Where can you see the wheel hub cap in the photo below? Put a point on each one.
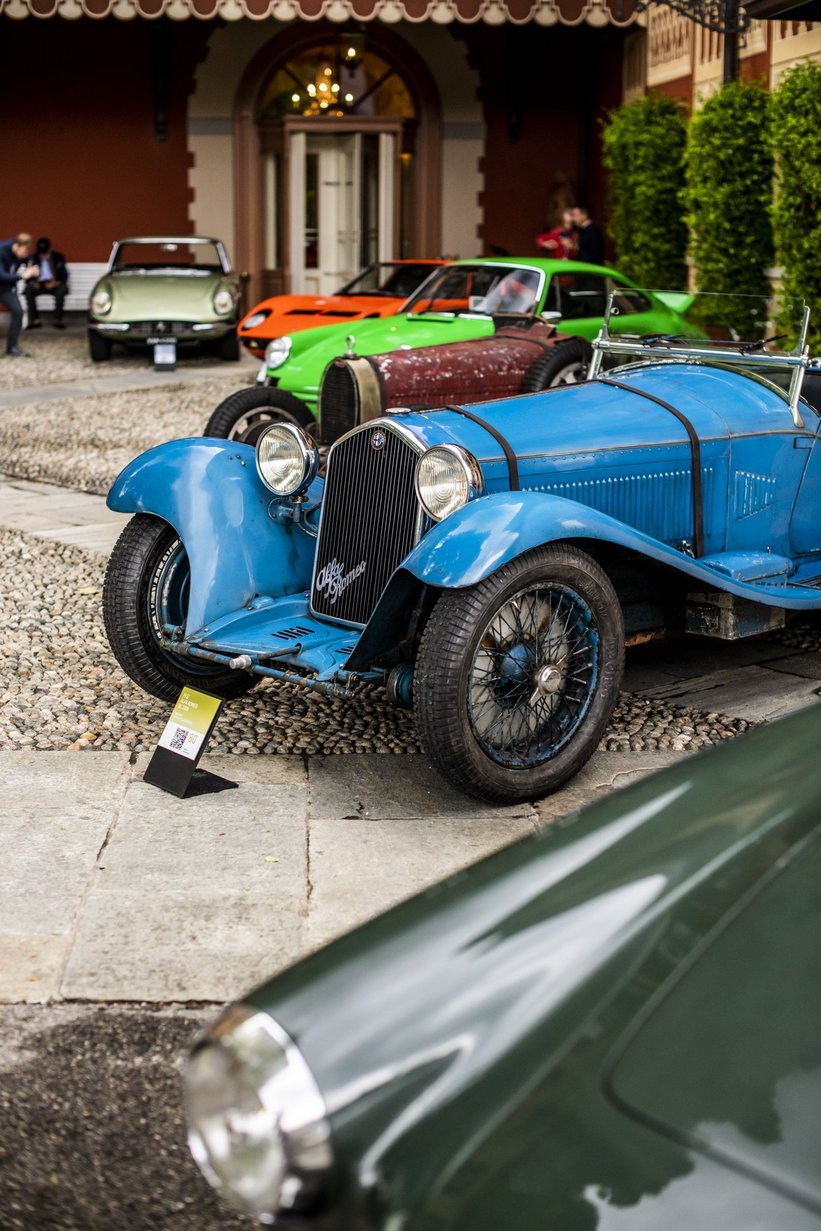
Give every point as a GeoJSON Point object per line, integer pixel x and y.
{"type": "Point", "coordinates": [548, 680]}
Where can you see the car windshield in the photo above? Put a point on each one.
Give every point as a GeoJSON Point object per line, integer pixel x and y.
{"type": "Point", "coordinates": [168, 255]}
{"type": "Point", "coordinates": [489, 289]}
{"type": "Point", "coordinates": [761, 337]}
{"type": "Point", "coordinates": [397, 279]}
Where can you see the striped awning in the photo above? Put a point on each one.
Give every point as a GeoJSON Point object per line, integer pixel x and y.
{"type": "Point", "coordinates": [443, 12]}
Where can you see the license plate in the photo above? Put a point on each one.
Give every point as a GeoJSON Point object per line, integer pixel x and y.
{"type": "Point", "coordinates": [165, 355]}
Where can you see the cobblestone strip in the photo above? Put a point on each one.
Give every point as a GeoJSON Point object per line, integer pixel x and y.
{"type": "Point", "coordinates": [62, 688]}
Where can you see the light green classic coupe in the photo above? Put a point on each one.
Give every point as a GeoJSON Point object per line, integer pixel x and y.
{"type": "Point", "coordinates": [164, 291]}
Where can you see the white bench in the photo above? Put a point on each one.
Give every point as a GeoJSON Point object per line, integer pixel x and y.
{"type": "Point", "coordinates": [82, 277]}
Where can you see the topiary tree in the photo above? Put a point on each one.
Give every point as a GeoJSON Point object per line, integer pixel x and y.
{"type": "Point", "coordinates": [728, 197]}
{"type": "Point", "coordinates": [644, 143]}
{"type": "Point", "coordinates": [796, 126]}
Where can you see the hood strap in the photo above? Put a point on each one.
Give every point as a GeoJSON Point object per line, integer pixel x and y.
{"type": "Point", "coordinates": [512, 464]}
{"type": "Point", "coordinates": [695, 450]}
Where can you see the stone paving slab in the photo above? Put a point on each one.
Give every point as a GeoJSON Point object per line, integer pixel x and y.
{"type": "Point", "coordinates": [379, 788]}
{"type": "Point", "coordinates": [689, 657]}
{"type": "Point", "coordinates": [57, 811]}
{"type": "Point", "coordinates": [50, 512]}
{"type": "Point", "coordinates": [113, 890]}
{"type": "Point", "coordinates": [756, 693]}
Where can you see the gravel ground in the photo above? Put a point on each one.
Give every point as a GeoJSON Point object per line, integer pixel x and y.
{"type": "Point", "coordinates": [91, 1127]}
{"type": "Point", "coordinates": [67, 690]}
{"type": "Point", "coordinates": [83, 442]}
{"type": "Point", "coordinates": [59, 357]}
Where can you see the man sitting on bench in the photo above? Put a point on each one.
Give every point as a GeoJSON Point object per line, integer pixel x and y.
{"type": "Point", "coordinates": [53, 280]}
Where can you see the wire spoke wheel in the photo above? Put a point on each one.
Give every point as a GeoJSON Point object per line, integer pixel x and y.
{"type": "Point", "coordinates": [533, 675]}
{"type": "Point", "coordinates": [517, 676]}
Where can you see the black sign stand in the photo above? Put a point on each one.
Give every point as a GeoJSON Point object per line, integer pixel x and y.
{"type": "Point", "coordinates": [173, 767]}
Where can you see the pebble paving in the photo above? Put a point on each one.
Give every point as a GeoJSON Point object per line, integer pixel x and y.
{"type": "Point", "coordinates": [61, 687]}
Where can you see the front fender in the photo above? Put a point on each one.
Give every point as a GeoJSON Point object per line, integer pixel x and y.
{"type": "Point", "coordinates": [482, 536]}
{"type": "Point", "coordinates": [210, 492]}
{"type": "Point", "coordinates": [485, 534]}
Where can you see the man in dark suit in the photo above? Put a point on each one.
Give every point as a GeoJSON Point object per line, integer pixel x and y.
{"type": "Point", "coordinates": [52, 280]}
{"type": "Point", "coordinates": [15, 255]}
{"type": "Point", "coordinates": [591, 240]}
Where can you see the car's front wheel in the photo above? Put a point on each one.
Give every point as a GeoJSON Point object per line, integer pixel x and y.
{"type": "Point", "coordinates": [516, 677]}
{"type": "Point", "coordinates": [243, 415]}
{"type": "Point", "coordinates": [228, 348]}
{"type": "Point", "coordinates": [145, 598]}
{"type": "Point", "coordinates": [566, 364]}
{"type": "Point", "coordinates": [98, 347]}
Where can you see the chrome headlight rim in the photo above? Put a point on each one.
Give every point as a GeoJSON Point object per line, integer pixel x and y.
{"type": "Point", "coordinates": [255, 319]}
{"type": "Point", "coordinates": [288, 433]}
{"type": "Point", "coordinates": [224, 301]}
{"type": "Point", "coordinates": [277, 351]}
{"type": "Point", "coordinates": [291, 1109]}
{"type": "Point", "coordinates": [467, 473]}
{"type": "Point", "coordinates": [101, 302]}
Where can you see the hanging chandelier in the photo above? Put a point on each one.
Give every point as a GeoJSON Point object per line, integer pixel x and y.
{"type": "Point", "coordinates": [328, 93]}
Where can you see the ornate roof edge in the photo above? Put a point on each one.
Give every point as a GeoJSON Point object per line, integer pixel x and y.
{"type": "Point", "coordinates": [441, 12]}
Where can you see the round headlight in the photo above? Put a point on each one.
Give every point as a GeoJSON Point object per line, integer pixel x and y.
{"type": "Point", "coordinates": [101, 302]}
{"type": "Point", "coordinates": [255, 319]}
{"type": "Point", "coordinates": [277, 351]}
{"type": "Point", "coordinates": [446, 478]}
{"type": "Point", "coordinates": [223, 300]}
{"type": "Point", "coordinates": [257, 1123]}
{"type": "Point", "coordinates": [286, 459]}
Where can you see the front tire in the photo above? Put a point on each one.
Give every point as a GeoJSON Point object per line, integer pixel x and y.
{"type": "Point", "coordinates": [228, 348]}
{"type": "Point", "coordinates": [243, 415]}
{"type": "Point", "coordinates": [98, 347]}
{"type": "Point", "coordinates": [145, 590]}
{"type": "Point", "coordinates": [516, 677]}
{"type": "Point", "coordinates": [567, 364]}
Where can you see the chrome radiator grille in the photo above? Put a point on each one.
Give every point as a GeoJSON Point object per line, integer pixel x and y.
{"type": "Point", "coordinates": [370, 521]}
{"type": "Point", "coordinates": [338, 402]}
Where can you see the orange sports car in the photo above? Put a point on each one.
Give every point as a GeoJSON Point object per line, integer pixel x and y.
{"type": "Point", "coordinates": [379, 290]}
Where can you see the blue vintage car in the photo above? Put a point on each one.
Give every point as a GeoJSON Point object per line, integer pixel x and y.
{"type": "Point", "coordinates": [486, 563]}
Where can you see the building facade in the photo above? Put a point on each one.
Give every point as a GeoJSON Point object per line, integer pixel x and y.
{"type": "Point", "coordinates": [311, 135]}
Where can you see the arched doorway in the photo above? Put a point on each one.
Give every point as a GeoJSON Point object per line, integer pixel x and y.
{"type": "Point", "coordinates": [338, 137]}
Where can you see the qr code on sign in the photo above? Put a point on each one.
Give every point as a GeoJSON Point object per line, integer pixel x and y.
{"type": "Point", "coordinates": [178, 739]}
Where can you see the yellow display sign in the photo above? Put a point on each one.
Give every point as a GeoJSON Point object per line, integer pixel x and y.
{"type": "Point", "coordinates": [190, 723]}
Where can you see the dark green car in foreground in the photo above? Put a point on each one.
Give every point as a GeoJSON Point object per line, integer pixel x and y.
{"type": "Point", "coordinates": [614, 1025]}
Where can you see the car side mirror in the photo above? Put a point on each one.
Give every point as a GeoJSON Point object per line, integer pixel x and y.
{"type": "Point", "coordinates": [551, 318]}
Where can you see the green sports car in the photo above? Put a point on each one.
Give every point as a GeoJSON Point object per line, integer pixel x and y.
{"type": "Point", "coordinates": [164, 291]}
{"type": "Point", "coordinates": [466, 300]}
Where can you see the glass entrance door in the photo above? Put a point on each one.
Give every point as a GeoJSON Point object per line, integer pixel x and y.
{"type": "Point", "coordinates": [341, 206]}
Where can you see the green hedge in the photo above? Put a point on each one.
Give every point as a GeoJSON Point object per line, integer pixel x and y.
{"type": "Point", "coordinates": [644, 143]}
{"type": "Point", "coordinates": [728, 198]}
{"type": "Point", "coordinates": [796, 110]}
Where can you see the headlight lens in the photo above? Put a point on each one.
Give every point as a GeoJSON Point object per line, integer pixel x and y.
{"type": "Point", "coordinates": [446, 478]}
{"type": "Point", "coordinates": [257, 318]}
{"type": "Point", "coordinates": [286, 459]}
{"type": "Point", "coordinates": [101, 302]}
{"type": "Point", "coordinates": [277, 351]}
{"type": "Point", "coordinates": [223, 301]}
{"type": "Point", "coordinates": [257, 1124]}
